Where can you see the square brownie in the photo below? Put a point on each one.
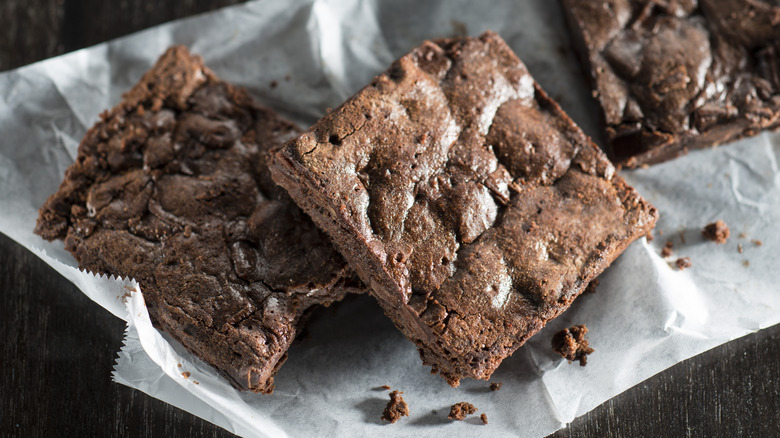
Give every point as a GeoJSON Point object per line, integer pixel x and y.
{"type": "Point", "coordinates": [171, 188]}
{"type": "Point", "coordinates": [466, 198]}
{"type": "Point", "coordinates": [672, 76]}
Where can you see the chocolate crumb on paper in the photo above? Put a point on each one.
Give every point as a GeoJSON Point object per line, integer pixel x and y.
{"type": "Point", "coordinates": [459, 411]}
{"type": "Point", "coordinates": [385, 387]}
{"type": "Point", "coordinates": [717, 231]}
{"type": "Point", "coordinates": [649, 236]}
{"type": "Point", "coordinates": [666, 251]}
{"type": "Point", "coordinates": [186, 374]}
{"type": "Point", "coordinates": [739, 248]}
{"type": "Point", "coordinates": [396, 408]}
{"type": "Point", "coordinates": [571, 344]}
{"type": "Point", "coordinates": [757, 242]}
{"type": "Point", "coordinates": [483, 417]}
{"type": "Point", "coordinates": [683, 262]}
{"type": "Point", "coordinates": [495, 386]}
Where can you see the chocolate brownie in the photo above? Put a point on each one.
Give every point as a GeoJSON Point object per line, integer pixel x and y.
{"type": "Point", "coordinates": [170, 187]}
{"type": "Point", "coordinates": [676, 75]}
{"type": "Point", "coordinates": [464, 196]}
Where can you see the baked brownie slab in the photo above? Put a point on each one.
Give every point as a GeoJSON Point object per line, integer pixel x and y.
{"type": "Point", "coordinates": [171, 188]}
{"type": "Point", "coordinates": [678, 75]}
{"type": "Point", "coordinates": [470, 203]}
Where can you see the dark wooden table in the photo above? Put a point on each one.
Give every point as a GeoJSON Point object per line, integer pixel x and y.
{"type": "Point", "coordinates": [57, 348]}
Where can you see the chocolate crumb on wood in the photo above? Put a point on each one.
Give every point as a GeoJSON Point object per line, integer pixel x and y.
{"type": "Point", "coordinates": [495, 386]}
{"type": "Point", "coordinates": [459, 411]}
{"type": "Point", "coordinates": [396, 408]}
{"type": "Point", "coordinates": [572, 345]}
{"type": "Point", "coordinates": [717, 231]}
{"type": "Point", "coordinates": [683, 262]}
{"type": "Point", "coordinates": [483, 417]}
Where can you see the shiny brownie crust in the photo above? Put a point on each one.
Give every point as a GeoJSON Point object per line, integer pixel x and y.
{"type": "Point", "coordinates": [170, 187]}
{"type": "Point", "coordinates": [463, 195]}
{"type": "Point", "coordinates": [677, 75]}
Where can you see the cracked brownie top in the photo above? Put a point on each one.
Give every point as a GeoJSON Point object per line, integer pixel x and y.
{"type": "Point", "coordinates": [171, 188]}
{"type": "Point", "coordinates": [673, 75]}
{"type": "Point", "coordinates": [473, 205]}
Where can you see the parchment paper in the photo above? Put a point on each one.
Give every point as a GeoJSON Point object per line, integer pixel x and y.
{"type": "Point", "coordinates": [645, 316]}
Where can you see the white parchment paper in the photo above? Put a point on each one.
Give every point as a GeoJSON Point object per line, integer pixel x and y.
{"type": "Point", "coordinates": [645, 317]}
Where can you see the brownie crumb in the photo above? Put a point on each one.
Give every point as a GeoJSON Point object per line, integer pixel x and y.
{"type": "Point", "coordinates": [717, 231]}
{"type": "Point", "coordinates": [739, 248]}
{"type": "Point", "coordinates": [572, 345]}
{"type": "Point", "coordinates": [396, 408]}
{"type": "Point", "coordinates": [757, 242]}
{"type": "Point", "coordinates": [666, 251]}
{"type": "Point", "coordinates": [683, 262]}
{"type": "Point", "coordinates": [649, 236]}
{"type": "Point", "coordinates": [496, 386]}
{"type": "Point", "coordinates": [483, 417]}
{"type": "Point", "coordinates": [273, 84]}
{"type": "Point", "coordinates": [459, 411]}
{"type": "Point", "coordinates": [385, 387]}
{"type": "Point", "coordinates": [591, 287]}
{"type": "Point", "coordinates": [186, 374]}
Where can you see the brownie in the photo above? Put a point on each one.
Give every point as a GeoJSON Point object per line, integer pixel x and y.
{"type": "Point", "coordinates": [474, 208]}
{"type": "Point", "coordinates": [676, 75]}
{"type": "Point", "coordinates": [171, 188]}
{"type": "Point", "coordinates": [571, 344]}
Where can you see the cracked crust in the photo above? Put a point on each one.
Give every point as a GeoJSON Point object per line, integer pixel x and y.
{"type": "Point", "coordinates": [458, 190]}
{"type": "Point", "coordinates": [676, 75]}
{"type": "Point", "coordinates": [171, 188]}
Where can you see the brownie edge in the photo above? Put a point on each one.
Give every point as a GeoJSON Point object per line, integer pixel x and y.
{"type": "Point", "coordinates": [474, 208]}
{"type": "Point", "coordinates": [675, 76]}
{"type": "Point", "coordinates": [170, 187]}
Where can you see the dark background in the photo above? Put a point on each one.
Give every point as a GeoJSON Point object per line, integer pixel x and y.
{"type": "Point", "coordinates": [57, 348]}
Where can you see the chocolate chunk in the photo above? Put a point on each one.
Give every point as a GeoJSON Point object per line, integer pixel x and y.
{"type": "Point", "coordinates": [717, 231]}
{"type": "Point", "coordinates": [495, 386]}
{"type": "Point", "coordinates": [458, 189]}
{"type": "Point", "coordinates": [170, 188]}
{"type": "Point", "coordinates": [571, 344]}
{"type": "Point", "coordinates": [396, 408]}
{"type": "Point", "coordinates": [674, 76]}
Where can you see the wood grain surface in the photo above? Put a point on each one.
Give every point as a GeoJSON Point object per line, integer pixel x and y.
{"type": "Point", "coordinates": [57, 348]}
